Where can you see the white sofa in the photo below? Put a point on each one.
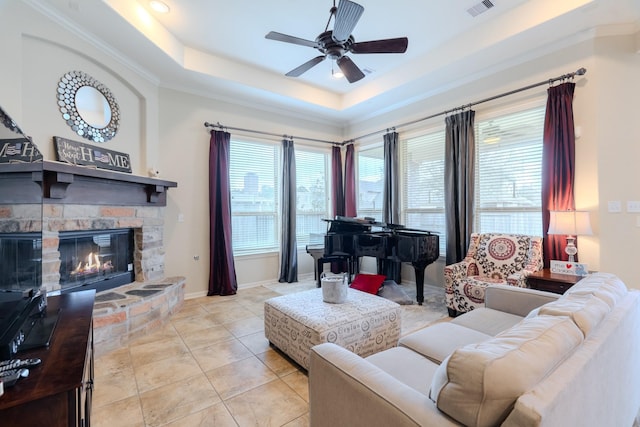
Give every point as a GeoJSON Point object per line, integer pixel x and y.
{"type": "Point", "coordinates": [528, 358]}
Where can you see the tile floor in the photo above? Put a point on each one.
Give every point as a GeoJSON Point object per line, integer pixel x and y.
{"type": "Point", "coordinates": [212, 366]}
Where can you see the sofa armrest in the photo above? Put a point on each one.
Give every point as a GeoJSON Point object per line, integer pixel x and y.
{"type": "Point", "coordinates": [516, 300]}
{"type": "Point", "coordinates": [347, 390]}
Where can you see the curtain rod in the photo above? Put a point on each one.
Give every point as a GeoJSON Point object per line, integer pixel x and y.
{"type": "Point", "coordinates": [218, 125]}
{"type": "Point", "coordinates": [579, 72]}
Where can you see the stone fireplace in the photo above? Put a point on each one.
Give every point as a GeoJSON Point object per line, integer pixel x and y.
{"type": "Point", "coordinates": [95, 211]}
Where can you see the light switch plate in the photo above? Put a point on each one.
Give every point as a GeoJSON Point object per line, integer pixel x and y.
{"type": "Point", "coordinates": [615, 206]}
{"type": "Point", "coordinates": [633, 206]}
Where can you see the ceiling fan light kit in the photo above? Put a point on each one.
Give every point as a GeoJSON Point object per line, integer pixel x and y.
{"type": "Point", "coordinates": [335, 44]}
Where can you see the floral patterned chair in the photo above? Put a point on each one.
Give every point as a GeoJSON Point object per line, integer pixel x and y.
{"type": "Point", "coordinates": [492, 258]}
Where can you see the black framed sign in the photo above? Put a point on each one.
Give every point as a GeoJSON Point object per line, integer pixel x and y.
{"type": "Point", "coordinates": [19, 150]}
{"type": "Point", "coordinates": [81, 154]}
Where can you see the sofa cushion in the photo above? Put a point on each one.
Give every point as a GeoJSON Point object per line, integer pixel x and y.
{"type": "Point", "coordinates": [479, 383]}
{"type": "Point", "coordinates": [605, 286]}
{"type": "Point", "coordinates": [438, 341]}
{"type": "Point", "coordinates": [406, 366]}
{"type": "Point", "coordinates": [487, 320]}
{"type": "Point", "coordinates": [586, 311]}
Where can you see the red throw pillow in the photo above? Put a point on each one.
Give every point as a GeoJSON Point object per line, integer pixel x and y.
{"type": "Point", "coordinates": [370, 283]}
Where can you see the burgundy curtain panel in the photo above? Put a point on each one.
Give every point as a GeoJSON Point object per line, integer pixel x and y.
{"type": "Point", "coordinates": [558, 165]}
{"type": "Point", "coordinates": [337, 192]}
{"type": "Point", "coordinates": [349, 182]}
{"type": "Point", "coordinates": [222, 271]}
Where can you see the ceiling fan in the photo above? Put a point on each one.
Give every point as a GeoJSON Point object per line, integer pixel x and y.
{"type": "Point", "coordinates": [335, 43]}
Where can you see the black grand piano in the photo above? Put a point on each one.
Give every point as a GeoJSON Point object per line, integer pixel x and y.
{"type": "Point", "coordinates": [348, 239]}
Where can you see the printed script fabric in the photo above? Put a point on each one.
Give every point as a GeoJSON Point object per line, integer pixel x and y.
{"type": "Point", "coordinates": [222, 274]}
{"type": "Point", "coordinates": [337, 193]}
{"type": "Point", "coordinates": [459, 175]}
{"type": "Point", "coordinates": [288, 242]}
{"type": "Point", "coordinates": [558, 165]}
{"type": "Point", "coordinates": [390, 204]}
{"type": "Point", "coordinates": [350, 182]}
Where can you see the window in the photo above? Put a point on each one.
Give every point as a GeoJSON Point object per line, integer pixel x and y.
{"type": "Point", "coordinates": [254, 172]}
{"type": "Point", "coordinates": [509, 173]}
{"type": "Point", "coordinates": [423, 183]}
{"type": "Point", "coordinates": [370, 182]}
{"type": "Point", "coordinates": [312, 190]}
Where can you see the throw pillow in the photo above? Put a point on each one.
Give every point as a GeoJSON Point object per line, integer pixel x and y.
{"type": "Point", "coordinates": [368, 282]}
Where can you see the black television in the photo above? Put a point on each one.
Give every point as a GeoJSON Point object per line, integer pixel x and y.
{"type": "Point", "coordinates": [22, 298]}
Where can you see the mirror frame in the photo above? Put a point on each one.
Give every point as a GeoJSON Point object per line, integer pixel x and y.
{"type": "Point", "coordinates": [68, 86]}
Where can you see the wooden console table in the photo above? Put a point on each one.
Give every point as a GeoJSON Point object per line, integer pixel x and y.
{"type": "Point", "coordinates": [57, 393]}
{"type": "Point", "coordinates": [545, 280]}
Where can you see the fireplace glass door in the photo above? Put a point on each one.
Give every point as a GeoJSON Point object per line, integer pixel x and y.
{"type": "Point", "coordinates": [99, 260]}
{"type": "Point", "coordinates": [20, 257]}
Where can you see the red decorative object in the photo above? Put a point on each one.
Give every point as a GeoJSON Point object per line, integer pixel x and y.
{"type": "Point", "coordinates": [370, 283]}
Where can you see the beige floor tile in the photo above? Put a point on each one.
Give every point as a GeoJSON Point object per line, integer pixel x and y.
{"type": "Point", "coordinates": [215, 416]}
{"type": "Point", "coordinates": [257, 342]}
{"type": "Point", "coordinates": [273, 404]}
{"type": "Point", "coordinates": [243, 327]}
{"type": "Point", "coordinates": [238, 377]}
{"type": "Point", "coordinates": [188, 325]}
{"type": "Point", "coordinates": [112, 363]}
{"type": "Point", "coordinates": [190, 311]}
{"type": "Point", "coordinates": [166, 371]}
{"type": "Point", "coordinates": [299, 382]}
{"type": "Point", "coordinates": [206, 337]}
{"type": "Point", "coordinates": [177, 400]}
{"type": "Point", "coordinates": [166, 331]}
{"type": "Point", "coordinates": [123, 413]}
{"type": "Point", "coordinates": [277, 362]}
{"type": "Point", "coordinates": [220, 354]}
{"type": "Point", "coordinates": [157, 350]}
{"type": "Point", "coordinates": [230, 314]}
{"type": "Point", "coordinates": [116, 386]}
{"type": "Point", "coordinates": [302, 421]}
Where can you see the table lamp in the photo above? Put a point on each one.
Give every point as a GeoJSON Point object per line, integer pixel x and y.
{"type": "Point", "coordinates": [571, 224]}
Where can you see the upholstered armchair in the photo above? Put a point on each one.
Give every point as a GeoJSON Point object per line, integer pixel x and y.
{"type": "Point", "coordinates": [492, 258]}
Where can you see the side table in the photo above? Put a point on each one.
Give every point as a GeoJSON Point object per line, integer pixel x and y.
{"type": "Point", "coordinates": [545, 280]}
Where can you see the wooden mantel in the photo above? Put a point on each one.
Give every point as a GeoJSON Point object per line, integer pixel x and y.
{"type": "Point", "coordinates": [63, 183]}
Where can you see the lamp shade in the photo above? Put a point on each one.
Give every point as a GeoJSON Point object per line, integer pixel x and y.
{"type": "Point", "coordinates": [570, 223]}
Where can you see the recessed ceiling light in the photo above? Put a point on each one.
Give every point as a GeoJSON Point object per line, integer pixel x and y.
{"type": "Point", "coordinates": [159, 6]}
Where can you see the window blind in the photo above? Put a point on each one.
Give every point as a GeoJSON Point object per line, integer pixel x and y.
{"type": "Point", "coordinates": [370, 182]}
{"type": "Point", "coordinates": [312, 205]}
{"type": "Point", "coordinates": [508, 173]}
{"type": "Point", "coordinates": [423, 183]}
{"type": "Point", "coordinates": [253, 174]}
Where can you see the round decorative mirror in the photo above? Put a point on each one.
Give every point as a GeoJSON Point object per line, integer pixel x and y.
{"type": "Point", "coordinates": [88, 106]}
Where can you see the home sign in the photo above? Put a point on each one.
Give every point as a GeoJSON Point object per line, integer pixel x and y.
{"type": "Point", "coordinates": [81, 154]}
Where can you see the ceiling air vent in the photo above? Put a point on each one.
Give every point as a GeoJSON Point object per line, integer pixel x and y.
{"type": "Point", "coordinates": [481, 7]}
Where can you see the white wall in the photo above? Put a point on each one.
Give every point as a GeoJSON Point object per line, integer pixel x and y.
{"type": "Point", "coordinates": [160, 127]}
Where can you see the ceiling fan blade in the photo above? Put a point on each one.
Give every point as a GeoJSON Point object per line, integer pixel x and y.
{"type": "Point", "coordinates": [347, 17]}
{"type": "Point", "coordinates": [398, 45]}
{"type": "Point", "coordinates": [306, 66]}
{"type": "Point", "coordinates": [272, 35]}
{"type": "Point", "coordinates": [349, 69]}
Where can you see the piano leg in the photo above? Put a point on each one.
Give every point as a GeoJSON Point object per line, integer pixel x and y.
{"type": "Point", "coordinates": [419, 270]}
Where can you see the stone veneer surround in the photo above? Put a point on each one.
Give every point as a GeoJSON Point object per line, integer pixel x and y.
{"type": "Point", "coordinates": [147, 223]}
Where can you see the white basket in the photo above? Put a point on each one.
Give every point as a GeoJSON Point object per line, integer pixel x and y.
{"type": "Point", "coordinates": [334, 288]}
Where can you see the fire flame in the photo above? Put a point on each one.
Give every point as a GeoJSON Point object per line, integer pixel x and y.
{"type": "Point", "coordinates": [92, 265]}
